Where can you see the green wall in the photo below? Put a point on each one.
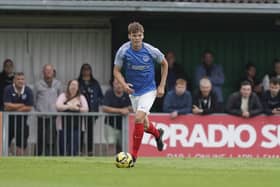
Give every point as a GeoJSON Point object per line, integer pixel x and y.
{"type": "Point", "coordinates": [234, 41]}
{"type": "Point", "coordinates": [231, 49]}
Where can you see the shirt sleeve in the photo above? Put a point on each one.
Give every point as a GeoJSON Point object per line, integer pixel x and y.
{"type": "Point", "coordinates": [120, 54]}
{"type": "Point", "coordinates": [157, 55]}
{"type": "Point", "coordinates": [60, 106]}
{"type": "Point", "coordinates": [30, 98]}
{"type": "Point", "coordinates": [84, 107]}
{"type": "Point", "coordinates": [107, 98]}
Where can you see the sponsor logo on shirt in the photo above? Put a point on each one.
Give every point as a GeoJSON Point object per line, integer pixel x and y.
{"type": "Point", "coordinates": [139, 68]}
{"type": "Point", "coordinates": [146, 58]}
{"type": "Point", "coordinates": [24, 96]}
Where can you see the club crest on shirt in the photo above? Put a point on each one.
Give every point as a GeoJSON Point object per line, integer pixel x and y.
{"type": "Point", "coordinates": [145, 58]}
{"type": "Point", "coordinates": [23, 96]}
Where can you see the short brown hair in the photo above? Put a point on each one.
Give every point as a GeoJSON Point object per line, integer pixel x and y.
{"type": "Point", "coordinates": [19, 74]}
{"type": "Point", "coordinates": [181, 81]}
{"type": "Point", "coordinates": [135, 27]}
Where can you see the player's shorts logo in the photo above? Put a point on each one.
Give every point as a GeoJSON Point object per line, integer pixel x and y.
{"type": "Point", "coordinates": [146, 58]}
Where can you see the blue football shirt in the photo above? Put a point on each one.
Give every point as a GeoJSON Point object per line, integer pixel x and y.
{"type": "Point", "coordinates": [139, 66]}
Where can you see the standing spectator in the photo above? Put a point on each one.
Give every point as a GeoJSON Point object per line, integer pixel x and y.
{"type": "Point", "coordinates": [175, 71]}
{"type": "Point", "coordinates": [244, 103]}
{"type": "Point", "coordinates": [271, 98]}
{"type": "Point", "coordinates": [179, 100]}
{"type": "Point", "coordinates": [213, 72]}
{"type": "Point", "coordinates": [71, 101]}
{"type": "Point", "coordinates": [91, 89]}
{"type": "Point", "coordinates": [275, 73]}
{"type": "Point", "coordinates": [250, 76]}
{"type": "Point", "coordinates": [116, 101]}
{"type": "Point", "coordinates": [46, 92]}
{"type": "Point", "coordinates": [205, 100]}
{"type": "Point", "coordinates": [6, 78]}
{"type": "Point", "coordinates": [18, 98]}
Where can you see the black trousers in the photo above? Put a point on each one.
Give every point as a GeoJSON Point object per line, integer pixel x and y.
{"type": "Point", "coordinates": [46, 136]}
{"type": "Point", "coordinates": [88, 134]}
{"type": "Point", "coordinates": [19, 130]}
{"type": "Point", "coordinates": [69, 135]}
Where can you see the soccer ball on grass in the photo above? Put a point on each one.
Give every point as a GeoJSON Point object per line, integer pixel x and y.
{"type": "Point", "coordinates": [124, 160]}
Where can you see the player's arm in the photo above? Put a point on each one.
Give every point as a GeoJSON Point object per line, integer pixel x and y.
{"type": "Point", "coordinates": [118, 75]}
{"type": "Point", "coordinates": [164, 70]}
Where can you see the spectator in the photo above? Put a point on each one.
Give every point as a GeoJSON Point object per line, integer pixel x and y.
{"type": "Point", "coordinates": [116, 101]}
{"type": "Point", "coordinates": [91, 89]}
{"type": "Point", "coordinates": [175, 71]}
{"type": "Point", "coordinates": [6, 78]}
{"type": "Point", "coordinates": [250, 76]}
{"type": "Point", "coordinates": [213, 72]}
{"type": "Point", "coordinates": [46, 92]}
{"type": "Point", "coordinates": [275, 73]}
{"type": "Point", "coordinates": [244, 103]}
{"type": "Point", "coordinates": [178, 101]}
{"type": "Point", "coordinates": [271, 98]}
{"type": "Point", "coordinates": [74, 102]}
{"type": "Point", "coordinates": [205, 100]}
{"type": "Point", "coordinates": [18, 98]}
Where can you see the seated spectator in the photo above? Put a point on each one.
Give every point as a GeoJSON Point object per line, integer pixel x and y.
{"type": "Point", "coordinates": [244, 103]}
{"type": "Point", "coordinates": [213, 72]}
{"type": "Point", "coordinates": [6, 78]}
{"type": "Point", "coordinates": [74, 102]}
{"type": "Point", "coordinates": [271, 98]}
{"type": "Point", "coordinates": [46, 91]}
{"type": "Point", "coordinates": [275, 73]}
{"type": "Point", "coordinates": [250, 76]}
{"type": "Point", "coordinates": [91, 89]}
{"type": "Point", "coordinates": [179, 100]}
{"type": "Point", "coordinates": [116, 101]}
{"type": "Point", "coordinates": [18, 98]}
{"type": "Point", "coordinates": [205, 100]}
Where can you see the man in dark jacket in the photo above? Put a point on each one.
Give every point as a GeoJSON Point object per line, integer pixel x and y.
{"type": "Point", "coordinates": [205, 100]}
{"type": "Point", "coordinates": [178, 101]}
{"type": "Point", "coordinates": [271, 98]}
{"type": "Point", "coordinates": [244, 103]}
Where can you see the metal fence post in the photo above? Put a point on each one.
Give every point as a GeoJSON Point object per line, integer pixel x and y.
{"type": "Point", "coordinates": [125, 136]}
{"type": "Point", "coordinates": [5, 139]}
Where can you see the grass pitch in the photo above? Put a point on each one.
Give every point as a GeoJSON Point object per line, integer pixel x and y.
{"type": "Point", "coordinates": [149, 172]}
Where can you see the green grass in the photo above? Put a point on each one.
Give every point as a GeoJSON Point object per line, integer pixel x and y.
{"type": "Point", "coordinates": [154, 172]}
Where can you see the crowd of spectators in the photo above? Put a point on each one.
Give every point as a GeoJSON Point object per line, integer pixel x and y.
{"type": "Point", "coordinates": [84, 94]}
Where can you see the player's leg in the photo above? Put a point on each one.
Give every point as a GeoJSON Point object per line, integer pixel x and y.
{"type": "Point", "coordinates": [150, 128]}
{"type": "Point", "coordinates": [147, 101]}
{"type": "Point", "coordinates": [145, 104]}
{"type": "Point", "coordinates": [138, 133]}
{"type": "Point", "coordinates": [157, 133]}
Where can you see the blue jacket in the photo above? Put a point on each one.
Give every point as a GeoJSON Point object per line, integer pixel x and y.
{"type": "Point", "coordinates": [182, 104]}
{"type": "Point", "coordinates": [217, 78]}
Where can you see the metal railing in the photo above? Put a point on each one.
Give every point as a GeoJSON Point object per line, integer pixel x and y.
{"type": "Point", "coordinates": [63, 134]}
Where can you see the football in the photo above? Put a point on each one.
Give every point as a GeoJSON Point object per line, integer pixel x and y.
{"type": "Point", "coordinates": [124, 160]}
